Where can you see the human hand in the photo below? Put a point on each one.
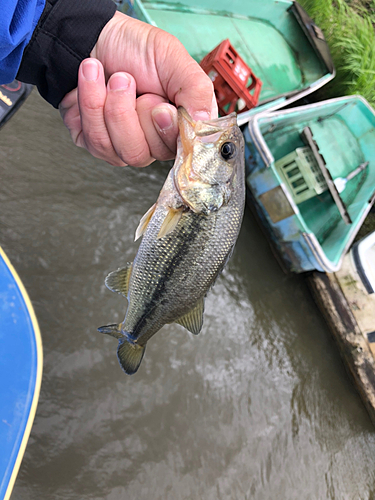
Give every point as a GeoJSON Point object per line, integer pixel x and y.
{"type": "Point", "coordinates": [130, 59]}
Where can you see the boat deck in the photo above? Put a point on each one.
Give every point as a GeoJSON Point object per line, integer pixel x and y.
{"type": "Point", "coordinates": [283, 64]}
{"type": "Point", "coordinates": [342, 153]}
{"type": "Point", "coordinates": [344, 131]}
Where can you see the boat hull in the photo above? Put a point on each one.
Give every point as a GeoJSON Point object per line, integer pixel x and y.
{"type": "Point", "coordinates": [12, 96]}
{"type": "Point", "coordinates": [276, 39]}
{"type": "Point", "coordinates": [311, 235]}
{"type": "Point", "coordinates": [20, 372]}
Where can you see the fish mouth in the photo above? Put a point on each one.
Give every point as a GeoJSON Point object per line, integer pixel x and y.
{"type": "Point", "coordinates": [198, 155]}
{"type": "Point", "coordinates": [207, 130]}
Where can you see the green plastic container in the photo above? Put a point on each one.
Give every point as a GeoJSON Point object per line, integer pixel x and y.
{"type": "Point", "coordinates": [302, 175]}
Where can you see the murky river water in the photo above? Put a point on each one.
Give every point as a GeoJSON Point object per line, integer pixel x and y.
{"type": "Point", "coordinates": [258, 406]}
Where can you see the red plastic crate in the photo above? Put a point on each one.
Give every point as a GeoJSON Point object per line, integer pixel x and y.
{"type": "Point", "coordinates": [230, 76]}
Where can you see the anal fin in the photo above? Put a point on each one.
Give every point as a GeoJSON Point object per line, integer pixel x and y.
{"type": "Point", "coordinates": [118, 281]}
{"type": "Point", "coordinates": [193, 320]}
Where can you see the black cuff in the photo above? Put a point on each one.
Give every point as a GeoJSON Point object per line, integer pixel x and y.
{"type": "Point", "coordinates": [65, 35]}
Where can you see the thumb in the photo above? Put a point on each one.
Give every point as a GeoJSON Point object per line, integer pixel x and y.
{"type": "Point", "coordinates": [196, 93]}
{"type": "Point", "coordinates": [187, 84]}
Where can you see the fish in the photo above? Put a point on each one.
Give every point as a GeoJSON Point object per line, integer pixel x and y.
{"type": "Point", "coordinates": [188, 236]}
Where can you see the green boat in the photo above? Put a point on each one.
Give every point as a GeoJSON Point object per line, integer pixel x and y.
{"type": "Point", "coordinates": [311, 177]}
{"type": "Point", "coordinates": [275, 38]}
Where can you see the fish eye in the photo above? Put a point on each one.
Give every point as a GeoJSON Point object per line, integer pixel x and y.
{"type": "Point", "coordinates": [228, 150]}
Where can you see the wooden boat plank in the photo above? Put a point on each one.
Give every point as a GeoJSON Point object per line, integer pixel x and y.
{"type": "Point", "coordinates": [354, 349]}
{"type": "Point", "coordinates": [307, 134]}
{"type": "Point", "coordinates": [318, 41]}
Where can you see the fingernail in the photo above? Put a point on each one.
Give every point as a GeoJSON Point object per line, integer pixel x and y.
{"type": "Point", "coordinates": [214, 110]}
{"type": "Point", "coordinates": [162, 118]}
{"type": "Point", "coordinates": [119, 81]}
{"type": "Point", "coordinates": [90, 70]}
{"type": "Point", "coordinates": [201, 116]}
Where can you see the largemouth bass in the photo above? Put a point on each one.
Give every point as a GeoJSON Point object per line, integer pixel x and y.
{"type": "Point", "coordinates": [188, 237]}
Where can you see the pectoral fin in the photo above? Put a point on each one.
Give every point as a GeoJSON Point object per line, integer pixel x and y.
{"type": "Point", "coordinates": [193, 320]}
{"type": "Point", "coordinates": [143, 223]}
{"type": "Point", "coordinates": [170, 222]}
{"type": "Point", "coordinates": [118, 281]}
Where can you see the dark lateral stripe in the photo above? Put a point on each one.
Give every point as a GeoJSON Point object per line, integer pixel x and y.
{"type": "Point", "coordinates": [371, 337]}
{"type": "Point", "coordinates": [184, 240]}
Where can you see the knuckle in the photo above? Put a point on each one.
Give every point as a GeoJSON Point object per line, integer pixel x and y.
{"type": "Point", "coordinates": [68, 101]}
{"type": "Point", "coordinates": [71, 120]}
{"type": "Point", "coordinates": [165, 156]}
{"type": "Point", "coordinates": [96, 141]}
{"type": "Point", "coordinates": [136, 158]}
{"type": "Point", "coordinates": [114, 113]}
{"type": "Point", "coordinates": [132, 148]}
{"type": "Point", "coordinates": [91, 104]}
{"type": "Point", "coordinates": [197, 86]}
{"type": "Point", "coordinates": [161, 152]}
{"type": "Point", "coordinates": [203, 85]}
{"type": "Point", "coordinates": [165, 40]}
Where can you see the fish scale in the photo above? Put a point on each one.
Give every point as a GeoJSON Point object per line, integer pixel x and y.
{"type": "Point", "coordinates": [193, 255]}
{"type": "Point", "coordinates": [182, 250]}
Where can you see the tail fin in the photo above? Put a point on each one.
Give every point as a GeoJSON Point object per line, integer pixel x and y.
{"type": "Point", "coordinates": [129, 355]}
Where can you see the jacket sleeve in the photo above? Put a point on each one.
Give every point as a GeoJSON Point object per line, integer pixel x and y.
{"type": "Point", "coordinates": [18, 19]}
{"type": "Point", "coordinates": [65, 35]}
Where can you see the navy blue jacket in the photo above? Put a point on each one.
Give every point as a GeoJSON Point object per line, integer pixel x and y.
{"type": "Point", "coordinates": [43, 41]}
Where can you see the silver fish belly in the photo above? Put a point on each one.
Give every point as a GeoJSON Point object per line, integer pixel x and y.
{"type": "Point", "coordinates": [188, 237]}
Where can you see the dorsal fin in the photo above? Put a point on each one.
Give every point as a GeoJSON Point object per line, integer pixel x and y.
{"type": "Point", "coordinates": [143, 223]}
{"type": "Point", "coordinates": [170, 222]}
{"type": "Point", "coordinates": [193, 320]}
{"type": "Point", "coordinates": [118, 281]}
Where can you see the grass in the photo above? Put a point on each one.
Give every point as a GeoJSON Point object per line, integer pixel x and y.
{"type": "Point", "coordinates": [367, 227]}
{"type": "Point", "coordinates": [349, 29]}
